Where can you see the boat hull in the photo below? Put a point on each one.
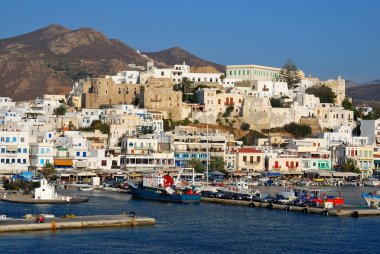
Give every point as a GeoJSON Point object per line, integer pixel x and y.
{"type": "Point", "coordinates": [372, 200]}
{"type": "Point", "coordinates": [158, 195]}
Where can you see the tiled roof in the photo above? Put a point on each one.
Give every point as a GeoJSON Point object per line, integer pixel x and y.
{"type": "Point", "coordinates": [249, 150]}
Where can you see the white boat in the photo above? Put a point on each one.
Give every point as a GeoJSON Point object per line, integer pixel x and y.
{"type": "Point", "coordinates": [372, 182]}
{"type": "Point", "coordinates": [86, 188]}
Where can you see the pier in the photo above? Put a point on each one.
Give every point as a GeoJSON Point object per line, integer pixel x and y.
{"type": "Point", "coordinates": [77, 222]}
{"type": "Point", "coordinates": [29, 199]}
{"type": "Point", "coordinates": [346, 211]}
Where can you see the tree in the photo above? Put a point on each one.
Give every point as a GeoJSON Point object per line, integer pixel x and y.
{"type": "Point", "coordinates": [196, 164]}
{"type": "Point", "coordinates": [217, 164]}
{"type": "Point", "coordinates": [48, 170]}
{"type": "Point", "coordinates": [347, 104]}
{"type": "Point", "coordinates": [222, 77]}
{"type": "Point", "coordinates": [228, 111]}
{"type": "Point", "coordinates": [103, 127]}
{"type": "Point", "coordinates": [245, 126]}
{"type": "Point", "coordinates": [298, 130]}
{"type": "Point", "coordinates": [324, 93]}
{"type": "Point", "coordinates": [60, 111]}
{"type": "Point", "coordinates": [289, 73]}
{"type": "Point", "coordinates": [186, 85]}
{"type": "Point", "coordinates": [275, 102]}
{"type": "Point", "coordinates": [350, 166]}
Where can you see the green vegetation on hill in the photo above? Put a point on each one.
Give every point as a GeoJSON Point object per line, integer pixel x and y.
{"type": "Point", "coordinates": [298, 130]}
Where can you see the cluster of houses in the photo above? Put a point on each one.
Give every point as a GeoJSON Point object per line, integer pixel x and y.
{"type": "Point", "coordinates": [135, 105]}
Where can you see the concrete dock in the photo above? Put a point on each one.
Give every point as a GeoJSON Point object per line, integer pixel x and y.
{"type": "Point", "coordinates": [78, 222]}
{"type": "Point", "coordinates": [29, 199]}
{"type": "Point", "coordinates": [345, 211]}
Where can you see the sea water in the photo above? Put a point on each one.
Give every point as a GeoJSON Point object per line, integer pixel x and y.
{"type": "Point", "coordinates": [196, 228]}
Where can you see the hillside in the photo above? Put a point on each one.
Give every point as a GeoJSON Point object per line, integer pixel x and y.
{"type": "Point", "coordinates": [177, 55]}
{"type": "Point", "coordinates": [50, 59]}
{"type": "Point", "coordinates": [365, 93]}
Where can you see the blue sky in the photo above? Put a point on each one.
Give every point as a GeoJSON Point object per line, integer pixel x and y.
{"type": "Point", "coordinates": [325, 38]}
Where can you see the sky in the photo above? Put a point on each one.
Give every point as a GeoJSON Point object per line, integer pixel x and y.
{"type": "Point", "coordinates": [324, 38]}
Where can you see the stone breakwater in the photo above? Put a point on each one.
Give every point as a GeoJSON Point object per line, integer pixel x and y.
{"type": "Point", "coordinates": [77, 222]}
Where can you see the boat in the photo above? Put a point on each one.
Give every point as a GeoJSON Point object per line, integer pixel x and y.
{"type": "Point", "coordinates": [319, 196]}
{"type": "Point", "coordinates": [372, 182]}
{"type": "Point", "coordinates": [86, 188]}
{"type": "Point", "coordinates": [156, 186]}
{"type": "Point", "coordinates": [372, 200]}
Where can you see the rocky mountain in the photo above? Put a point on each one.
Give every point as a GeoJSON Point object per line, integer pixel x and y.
{"type": "Point", "coordinates": [367, 92]}
{"type": "Point", "coordinates": [177, 55]}
{"type": "Point", "coordinates": [50, 59]}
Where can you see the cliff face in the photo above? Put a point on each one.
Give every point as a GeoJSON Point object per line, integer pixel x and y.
{"type": "Point", "coordinates": [49, 60]}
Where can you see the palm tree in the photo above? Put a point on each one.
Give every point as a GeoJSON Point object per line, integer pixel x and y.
{"type": "Point", "coordinates": [48, 170]}
{"type": "Point", "coordinates": [217, 164]}
{"type": "Point", "coordinates": [196, 164]}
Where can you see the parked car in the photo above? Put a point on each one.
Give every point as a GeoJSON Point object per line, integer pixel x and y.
{"type": "Point", "coordinates": [217, 183]}
{"type": "Point", "coordinates": [208, 194]}
{"type": "Point", "coordinates": [287, 201]}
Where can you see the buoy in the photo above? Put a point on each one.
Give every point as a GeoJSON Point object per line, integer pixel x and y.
{"type": "Point", "coordinates": [355, 214]}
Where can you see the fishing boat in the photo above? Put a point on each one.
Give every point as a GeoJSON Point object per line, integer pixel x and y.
{"type": "Point", "coordinates": [319, 196]}
{"type": "Point", "coordinates": [372, 200]}
{"type": "Point", "coordinates": [156, 186]}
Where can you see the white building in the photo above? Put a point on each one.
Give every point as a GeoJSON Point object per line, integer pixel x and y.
{"type": "Point", "coordinates": [371, 130]}
{"type": "Point", "coordinates": [178, 72]}
{"type": "Point", "coordinates": [14, 151]}
{"type": "Point", "coordinates": [126, 77]}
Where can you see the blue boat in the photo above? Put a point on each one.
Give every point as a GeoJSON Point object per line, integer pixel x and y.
{"type": "Point", "coordinates": [372, 200]}
{"type": "Point", "coordinates": [162, 188]}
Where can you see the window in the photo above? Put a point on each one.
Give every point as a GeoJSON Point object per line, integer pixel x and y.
{"type": "Point", "coordinates": [42, 161]}
{"type": "Point", "coordinates": [244, 158]}
{"type": "Point", "coordinates": [78, 153]}
{"type": "Point", "coordinates": [13, 160]}
{"type": "Point", "coordinates": [19, 150]}
{"type": "Point", "coordinates": [14, 139]}
{"type": "Point", "coordinates": [2, 150]}
{"type": "Point", "coordinates": [24, 161]}
{"type": "Point", "coordinates": [42, 150]}
{"type": "Point", "coordinates": [2, 139]}
{"type": "Point", "coordinates": [84, 154]}
{"type": "Point", "coordinates": [7, 161]}
{"type": "Point", "coordinates": [7, 139]}
{"type": "Point", "coordinates": [49, 136]}
{"type": "Point", "coordinates": [22, 140]}
{"type": "Point", "coordinates": [25, 150]}
{"type": "Point", "coordinates": [104, 163]}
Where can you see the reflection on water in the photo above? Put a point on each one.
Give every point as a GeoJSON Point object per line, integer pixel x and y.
{"type": "Point", "coordinates": [196, 228]}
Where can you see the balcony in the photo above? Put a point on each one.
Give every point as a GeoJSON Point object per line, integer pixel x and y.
{"type": "Point", "coordinates": [229, 103]}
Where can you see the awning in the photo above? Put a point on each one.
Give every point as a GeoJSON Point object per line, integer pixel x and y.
{"type": "Point", "coordinates": [272, 174]}
{"type": "Point", "coordinates": [86, 174]}
{"type": "Point", "coordinates": [324, 174]}
{"type": "Point", "coordinates": [63, 162]}
{"type": "Point", "coordinates": [239, 173]}
{"type": "Point", "coordinates": [254, 174]}
{"type": "Point", "coordinates": [81, 164]}
{"type": "Point", "coordinates": [344, 174]}
{"type": "Point", "coordinates": [11, 148]}
{"type": "Point", "coordinates": [292, 173]}
{"type": "Point", "coordinates": [134, 174]}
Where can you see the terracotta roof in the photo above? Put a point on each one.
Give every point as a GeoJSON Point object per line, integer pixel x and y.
{"type": "Point", "coordinates": [249, 150]}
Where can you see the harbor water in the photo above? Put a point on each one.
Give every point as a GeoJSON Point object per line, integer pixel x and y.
{"type": "Point", "coordinates": [196, 228]}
